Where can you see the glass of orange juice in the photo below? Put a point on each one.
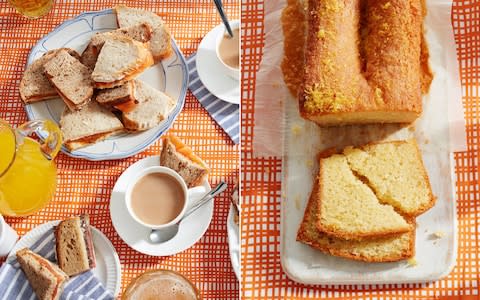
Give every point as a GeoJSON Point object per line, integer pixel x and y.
{"type": "Point", "coordinates": [28, 175]}
{"type": "Point", "coordinates": [32, 9]}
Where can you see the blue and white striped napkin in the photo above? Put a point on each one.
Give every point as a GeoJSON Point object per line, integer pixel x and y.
{"type": "Point", "coordinates": [227, 115]}
{"type": "Point", "coordinates": [14, 283]}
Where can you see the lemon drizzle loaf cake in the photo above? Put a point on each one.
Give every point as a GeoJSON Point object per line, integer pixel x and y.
{"type": "Point", "coordinates": [348, 208]}
{"type": "Point", "coordinates": [342, 87]}
{"type": "Point", "coordinates": [386, 249]}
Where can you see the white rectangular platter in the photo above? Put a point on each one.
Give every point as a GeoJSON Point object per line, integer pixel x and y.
{"type": "Point", "coordinates": [435, 256]}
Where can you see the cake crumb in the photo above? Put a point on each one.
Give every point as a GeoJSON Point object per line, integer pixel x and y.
{"type": "Point", "coordinates": [297, 202]}
{"type": "Point", "coordinates": [309, 163]}
{"type": "Point", "coordinates": [438, 234]}
{"type": "Point", "coordinates": [296, 129]}
{"type": "Point", "coordinates": [412, 262]}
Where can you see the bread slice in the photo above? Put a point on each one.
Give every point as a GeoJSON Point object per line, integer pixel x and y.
{"type": "Point", "coordinates": [396, 173]}
{"type": "Point", "coordinates": [70, 78]}
{"type": "Point", "coordinates": [140, 32]}
{"type": "Point", "coordinates": [120, 60]}
{"type": "Point", "coordinates": [160, 43]}
{"type": "Point", "coordinates": [35, 85]}
{"type": "Point", "coordinates": [385, 249]}
{"type": "Point", "coordinates": [88, 125]}
{"type": "Point", "coordinates": [46, 279]}
{"type": "Point", "coordinates": [179, 157]}
{"type": "Point", "coordinates": [74, 245]}
{"type": "Point", "coordinates": [120, 97]}
{"type": "Point", "coordinates": [153, 107]}
{"type": "Point", "coordinates": [348, 208]}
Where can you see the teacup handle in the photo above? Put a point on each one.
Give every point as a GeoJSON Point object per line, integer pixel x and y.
{"type": "Point", "coordinates": [50, 145]}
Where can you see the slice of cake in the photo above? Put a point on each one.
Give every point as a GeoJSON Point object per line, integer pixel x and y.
{"type": "Point", "coordinates": [348, 208]}
{"type": "Point", "coordinates": [179, 157]}
{"type": "Point", "coordinates": [395, 172]}
{"type": "Point", "coordinates": [46, 279]}
{"type": "Point", "coordinates": [387, 249]}
{"type": "Point", "coordinates": [74, 245]}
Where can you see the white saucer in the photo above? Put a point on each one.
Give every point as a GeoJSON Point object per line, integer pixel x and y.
{"type": "Point", "coordinates": [108, 269]}
{"type": "Point", "coordinates": [210, 71]}
{"type": "Point", "coordinates": [135, 235]}
{"type": "Point", "coordinates": [233, 232]}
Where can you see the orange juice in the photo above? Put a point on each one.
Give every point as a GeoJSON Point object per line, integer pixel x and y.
{"type": "Point", "coordinates": [32, 8]}
{"type": "Point", "coordinates": [7, 147]}
{"type": "Point", "coordinates": [29, 183]}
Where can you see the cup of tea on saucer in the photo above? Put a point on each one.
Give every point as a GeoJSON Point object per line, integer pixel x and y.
{"type": "Point", "coordinates": [157, 197]}
{"type": "Point", "coordinates": [228, 50]}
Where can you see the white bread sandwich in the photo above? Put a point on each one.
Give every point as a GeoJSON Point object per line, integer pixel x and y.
{"type": "Point", "coordinates": [121, 97]}
{"type": "Point", "coordinates": [74, 245]}
{"type": "Point", "coordinates": [153, 107]}
{"type": "Point", "coordinates": [121, 59]}
{"type": "Point", "coordinates": [91, 124]}
{"type": "Point", "coordinates": [179, 157]}
{"type": "Point", "coordinates": [46, 279]}
{"type": "Point", "coordinates": [35, 85]}
{"type": "Point", "coordinates": [70, 78]}
{"type": "Point", "coordinates": [160, 44]}
{"type": "Point", "coordinates": [141, 32]}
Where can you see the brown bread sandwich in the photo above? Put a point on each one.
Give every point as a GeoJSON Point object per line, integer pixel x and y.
{"type": "Point", "coordinates": [74, 245]}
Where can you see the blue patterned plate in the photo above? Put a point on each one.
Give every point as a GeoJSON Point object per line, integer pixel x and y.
{"type": "Point", "coordinates": [169, 76]}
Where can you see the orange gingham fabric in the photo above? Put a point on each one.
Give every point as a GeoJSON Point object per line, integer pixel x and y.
{"type": "Point", "coordinates": [85, 186]}
{"type": "Point", "coordinates": [262, 275]}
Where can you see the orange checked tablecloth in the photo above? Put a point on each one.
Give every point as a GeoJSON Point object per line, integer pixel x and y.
{"type": "Point", "coordinates": [85, 186]}
{"type": "Point", "coordinates": [262, 274]}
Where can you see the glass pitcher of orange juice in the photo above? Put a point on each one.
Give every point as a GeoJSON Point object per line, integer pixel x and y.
{"type": "Point", "coordinates": [28, 175]}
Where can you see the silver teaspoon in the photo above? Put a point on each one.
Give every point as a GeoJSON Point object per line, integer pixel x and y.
{"type": "Point", "coordinates": [166, 234]}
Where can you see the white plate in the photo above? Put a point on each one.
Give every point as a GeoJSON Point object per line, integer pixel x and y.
{"type": "Point", "coordinates": [210, 70]}
{"type": "Point", "coordinates": [135, 235]}
{"type": "Point", "coordinates": [170, 76]}
{"type": "Point", "coordinates": [108, 269]}
{"type": "Point", "coordinates": [233, 241]}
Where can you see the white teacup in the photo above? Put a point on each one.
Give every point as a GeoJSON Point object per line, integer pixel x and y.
{"type": "Point", "coordinates": [230, 71]}
{"type": "Point", "coordinates": [8, 237]}
{"type": "Point", "coordinates": [131, 189]}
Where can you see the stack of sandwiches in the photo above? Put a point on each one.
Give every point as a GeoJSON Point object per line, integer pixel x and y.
{"type": "Point", "coordinates": [364, 202]}
{"type": "Point", "coordinates": [99, 87]}
{"type": "Point", "coordinates": [74, 252]}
